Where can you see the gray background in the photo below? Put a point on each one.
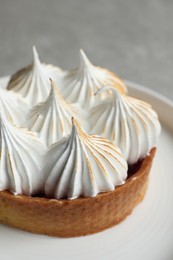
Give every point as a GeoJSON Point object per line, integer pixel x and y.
{"type": "Point", "coordinates": [131, 37]}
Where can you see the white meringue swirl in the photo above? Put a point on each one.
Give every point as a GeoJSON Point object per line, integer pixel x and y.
{"type": "Point", "coordinates": [52, 118]}
{"type": "Point", "coordinates": [84, 165]}
{"type": "Point", "coordinates": [79, 85]}
{"type": "Point", "coordinates": [65, 162]}
{"type": "Point", "coordinates": [32, 82]}
{"type": "Point", "coordinates": [21, 159]}
{"type": "Point", "coordinates": [128, 122]}
{"type": "Point", "coordinates": [13, 107]}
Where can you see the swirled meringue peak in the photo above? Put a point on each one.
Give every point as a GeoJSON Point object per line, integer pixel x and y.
{"type": "Point", "coordinates": [128, 122]}
{"type": "Point", "coordinates": [14, 108]}
{"type": "Point", "coordinates": [21, 159]}
{"type": "Point", "coordinates": [32, 82]}
{"type": "Point", "coordinates": [79, 85]}
{"type": "Point", "coordinates": [52, 119]}
{"type": "Point", "coordinates": [83, 166]}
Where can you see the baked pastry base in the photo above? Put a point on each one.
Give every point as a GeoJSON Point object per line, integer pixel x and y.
{"type": "Point", "coordinates": [83, 216]}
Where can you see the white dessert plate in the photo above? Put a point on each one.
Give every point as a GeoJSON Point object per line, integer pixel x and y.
{"type": "Point", "coordinates": [146, 234]}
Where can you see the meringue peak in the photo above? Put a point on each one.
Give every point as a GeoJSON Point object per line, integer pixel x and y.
{"type": "Point", "coordinates": [127, 122]}
{"type": "Point", "coordinates": [84, 61]}
{"type": "Point", "coordinates": [79, 85]}
{"type": "Point", "coordinates": [52, 119]}
{"type": "Point", "coordinates": [56, 95]}
{"type": "Point", "coordinates": [36, 60]}
{"type": "Point", "coordinates": [54, 91]}
{"type": "Point", "coordinates": [83, 166]}
{"type": "Point", "coordinates": [31, 82]}
{"type": "Point", "coordinates": [77, 128]}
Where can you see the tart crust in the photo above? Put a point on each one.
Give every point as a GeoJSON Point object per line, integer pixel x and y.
{"type": "Point", "coordinates": [83, 216]}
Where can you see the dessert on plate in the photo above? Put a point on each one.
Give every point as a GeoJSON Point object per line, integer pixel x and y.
{"type": "Point", "coordinates": [76, 150]}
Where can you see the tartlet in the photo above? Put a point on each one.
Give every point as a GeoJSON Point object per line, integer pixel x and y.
{"type": "Point", "coordinates": [82, 216]}
{"type": "Point", "coordinates": [58, 176]}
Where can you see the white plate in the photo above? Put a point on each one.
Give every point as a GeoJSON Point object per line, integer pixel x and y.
{"type": "Point", "coordinates": [146, 234]}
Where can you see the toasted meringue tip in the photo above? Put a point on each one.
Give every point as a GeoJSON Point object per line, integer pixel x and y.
{"type": "Point", "coordinates": [76, 125]}
{"type": "Point", "coordinates": [51, 81]}
{"type": "Point", "coordinates": [53, 85]}
{"type": "Point", "coordinates": [73, 120]}
{"type": "Point", "coordinates": [55, 88]}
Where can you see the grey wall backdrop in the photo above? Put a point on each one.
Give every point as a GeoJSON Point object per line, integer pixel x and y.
{"type": "Point", "coordinates": [132, 37]}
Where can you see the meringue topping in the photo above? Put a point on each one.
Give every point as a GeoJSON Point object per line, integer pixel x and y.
{"type": "Point", "coordinates": [13, 107]}
{"type": "Point", "coordinates": [65, 162]}
{"type": "Point", "coordinates": [32, 82]}
{"type": "Point", "coordinates": [128, 122]}
{"type": "Point", "coordinates": [52, 119]}
{"type": "Point", "coordinates": [84, 165]}
{"type": "Point", "coordinates": [79, 85]}
{"type": "Point", "coordinates": [21, 159]}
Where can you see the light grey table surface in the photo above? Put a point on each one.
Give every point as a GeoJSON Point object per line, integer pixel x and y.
{"type": "Point", "coordinates": [134, 38]}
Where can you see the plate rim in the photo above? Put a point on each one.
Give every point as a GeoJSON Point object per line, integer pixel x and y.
{"type": "Point", "coordinates": [150, 92]}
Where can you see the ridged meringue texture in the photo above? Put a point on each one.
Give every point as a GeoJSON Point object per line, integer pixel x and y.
{"type": "Point", "coordinates": [52, 119]}
{"type": "Point", "coordinates": [54, 156]}
{"type": "Point", "coordinates": [21, 159]}
{"type": "Point", "coordinates": [14, 108]}
{"type": "Point", "coordinates": [128, 122]}
{"type": "Point", "coordinates": [79, 85]}
{"type": "Point", "coordinates": [32, 82]}
{"type": "Point", "coordinates": [83, 166]}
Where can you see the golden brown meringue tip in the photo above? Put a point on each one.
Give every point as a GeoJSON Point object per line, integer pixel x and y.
{"type": "Point", "coordinates": [55, 89]}
{"type": "Point", "coordinates": [77, 126]}
{"type": "Point", "coordinates": [74, 122]}
{"type": "Point", "coordinates": [55, 92]}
